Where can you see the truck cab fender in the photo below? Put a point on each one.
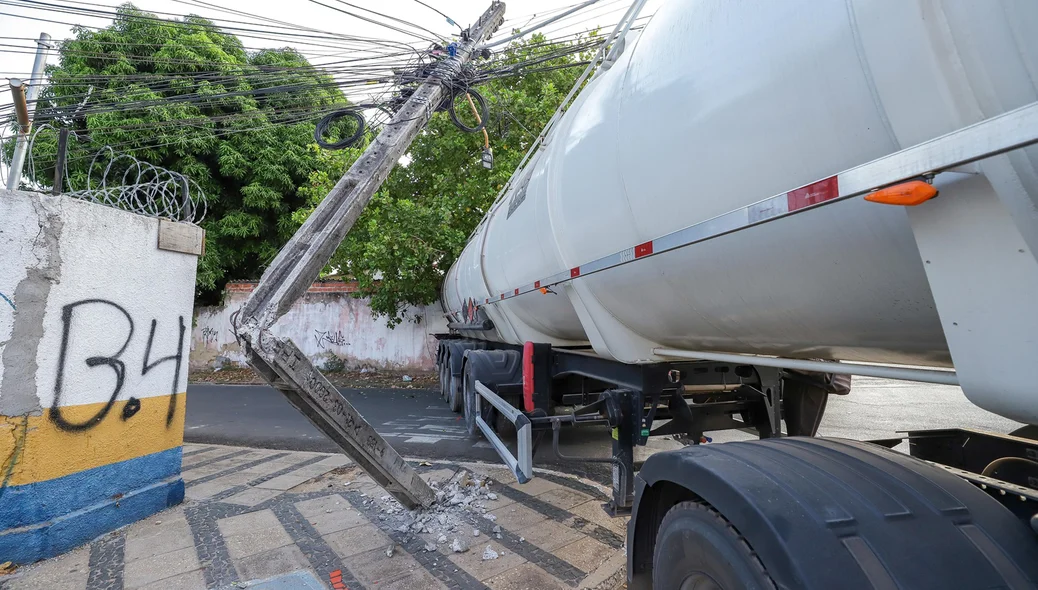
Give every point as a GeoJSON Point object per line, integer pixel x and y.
{"type": "Point", "coordinates": [828, 513]}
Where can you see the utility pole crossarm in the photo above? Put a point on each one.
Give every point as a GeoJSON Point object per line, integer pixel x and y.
{"type": "Point", "coordinates": [299, 263]}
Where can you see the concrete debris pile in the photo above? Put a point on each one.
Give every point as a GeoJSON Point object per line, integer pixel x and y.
{"type": "Point", "coordinates": [460, 514]}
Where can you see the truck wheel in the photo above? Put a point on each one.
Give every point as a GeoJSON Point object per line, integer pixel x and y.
{"type": "Point", "coordinates": [445, 378]}
{"type": "Point", "coordinates": [455, 395]}
{"type": "Point", "coordinates": [697, 549]}
{"type": "Point", "coordinates": [469, 396]}
{"type": "Point", "coordinates": [492, 368]}
{"type": "Point", "coordinates": [820, 514]}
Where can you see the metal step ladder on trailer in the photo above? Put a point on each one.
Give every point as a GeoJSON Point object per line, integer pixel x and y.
{"type": "Point", "coordinates": [908, 178]}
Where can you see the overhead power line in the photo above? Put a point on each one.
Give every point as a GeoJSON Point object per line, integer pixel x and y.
{"type": "Point", "coordinates": [362, 70]}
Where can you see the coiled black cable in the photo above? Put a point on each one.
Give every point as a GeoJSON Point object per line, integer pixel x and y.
{"type": "Point", "coordinates": [354, 112]}
{"type": "Point", "coordinates": [484, 110]}
{"type": "Point", "coordinates": [328, 120]}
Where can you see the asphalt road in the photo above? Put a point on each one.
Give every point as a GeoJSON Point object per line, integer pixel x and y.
{"type": "Point", "coordinates": [419, 424]}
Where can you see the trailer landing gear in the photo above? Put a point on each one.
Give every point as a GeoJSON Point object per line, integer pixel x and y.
{"type": "Point", "coordinates": [820, 514]}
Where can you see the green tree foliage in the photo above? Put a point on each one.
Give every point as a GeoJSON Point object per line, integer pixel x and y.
{"type": "Point", "coordinates": [183, 95]}
{"type": "Point", "coordinates": [417, 224]}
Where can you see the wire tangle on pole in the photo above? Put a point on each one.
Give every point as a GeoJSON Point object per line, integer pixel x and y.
{"type": "Point", "coordinates": [354, 83]}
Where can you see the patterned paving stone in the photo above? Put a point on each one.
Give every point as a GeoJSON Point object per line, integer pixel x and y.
{"type": "Point", "coordinates": [515, 516]}
{"type": "Point", "coordinates": [192, 580]}
{"type": "Point", "coordinates": [534, 487]}
{"type": "Point", "coordinates": [585, 553]}
{"type": "Point", "coordinates": [400, 572]}
{"type": "Point", "coordinates": [252, 533]}
{"type": "Point", "coordinates": [563, 498]}
{"type": "Point", "coordinates": [144, 571]}
{"type": "Point", "coordinates": [272, 563]}
{"type": "Point", "coordinates": [164, 532]}
{"type": "Point", "coordinates": [106, 563]}
{"type": "Point", "coordinates": [525, 577]}
{"type": "Point", "coordinates": [549, 535]}
{"type": "Point", "coordinates": [252, 496]}
{"type": "Point", "coordinates": [482, 569]}
{"type": "Point", "coordinates": [69, 571]}
{"type": "Point", "coordinates": [592, 511]}
{"type": "Point", "coordinates": [255, 514]}
{"type": "Point", "coordinates": [357, 540]}
{"type": "Point", "coordinates": [330, 514]}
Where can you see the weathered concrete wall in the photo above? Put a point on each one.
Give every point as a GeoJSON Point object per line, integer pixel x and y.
{"type": "Point", "coordinates": [333, 328]}
{"type": "Point", "coordinates": [93, 341]}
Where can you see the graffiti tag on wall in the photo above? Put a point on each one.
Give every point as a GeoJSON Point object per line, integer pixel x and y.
{"type": "Point", "coordinates": [327, 338]}
{"type": "Point", "coordinates": [78, 347]}
{"type": "Point", "coordinates": [209, 335]}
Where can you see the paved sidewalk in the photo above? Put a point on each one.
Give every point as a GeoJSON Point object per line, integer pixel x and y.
{"type": "Point", "coordinates": [254, 514]}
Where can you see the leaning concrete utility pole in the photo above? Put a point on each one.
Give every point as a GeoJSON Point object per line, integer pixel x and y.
{"type": "Point", "coordinates": [21, 98]}
{"type": "Point", "coordinates": [299, 263]}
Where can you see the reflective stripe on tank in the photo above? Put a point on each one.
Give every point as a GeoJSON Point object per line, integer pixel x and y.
{"type": "Point", "coordinates": [997, 135]}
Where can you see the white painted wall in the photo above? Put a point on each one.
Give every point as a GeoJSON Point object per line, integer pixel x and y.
{"type": "Point", "coordinates": [90, 280]}
{"type": "Point", "coordinates": [334, 329]}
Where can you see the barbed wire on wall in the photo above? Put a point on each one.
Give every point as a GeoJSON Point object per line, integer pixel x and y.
{"type": "Point", "coordinates": [122, 181]}
{"type": "Point", "coordinates": [131, 184]}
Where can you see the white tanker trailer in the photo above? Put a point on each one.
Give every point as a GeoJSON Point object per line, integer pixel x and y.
{"type": "Point", "coordinates": [748, 202]}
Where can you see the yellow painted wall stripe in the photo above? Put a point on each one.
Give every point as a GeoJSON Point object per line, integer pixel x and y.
{"type": "Point", "coordinates": [42, 451]}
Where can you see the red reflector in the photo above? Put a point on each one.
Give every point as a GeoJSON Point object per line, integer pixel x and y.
{"type": "Point", "coordinates": [502, 296]}
{"type": "Point", "coordinates": [517, 291]}
{"type": "Point", "coordinates": [537, 285]}
{"type": "Point", "coordinates": [488, 301]}
{"type": "Point", "coordinates": [528, 377]}
{"type": "Point", "coordinates": [574, 272]}
{"type": "Point", "coordinates": [812, 194]}
{"type": "Point", "coordinates": [643, 249]}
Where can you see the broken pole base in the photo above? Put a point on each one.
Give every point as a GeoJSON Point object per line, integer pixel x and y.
{"type": "Point", "coordinates": [289, 371]}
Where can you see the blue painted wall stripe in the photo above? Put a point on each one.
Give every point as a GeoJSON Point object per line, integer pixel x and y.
{"type": "Point", "coordinates": [30, 544]}
{"type": "Point", "coordinates": [39, 502]}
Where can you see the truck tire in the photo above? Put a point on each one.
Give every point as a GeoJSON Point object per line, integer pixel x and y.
{"type": "Point", "coordinates": [445, 377]}
{"type": "Point", "coordinates": [469, 394]}
{"type": "Point", "coordinates": [454, 359]}
{"type": "Point", "coordinates": [455, 395]}
{"type": "Point", "coordinates": [824, 513]}
{"type": "Point", "coordinates": [697, 549]}
{"type": "Point", "coordinates": [492, 368]}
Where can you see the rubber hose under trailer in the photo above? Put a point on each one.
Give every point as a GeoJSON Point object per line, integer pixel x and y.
{"type": "Point", "coordinates": [814, 513]}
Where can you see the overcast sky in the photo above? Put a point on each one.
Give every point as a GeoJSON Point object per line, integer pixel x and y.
{"type": "Point", "coordinates": [520, 13]}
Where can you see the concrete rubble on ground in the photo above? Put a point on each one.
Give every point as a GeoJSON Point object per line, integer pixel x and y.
{"type": "Point", "coordinates": [460, 508]}
{"type": "Point", "coordinates": [461, 505]}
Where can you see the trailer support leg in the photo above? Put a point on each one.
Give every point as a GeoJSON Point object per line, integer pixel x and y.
{"type": "Point", "coordinates": [624, 435]}
{"type": "Point", "coordinates": [803, 402]}
{"type": "Point", "coordinates": [771, 395]}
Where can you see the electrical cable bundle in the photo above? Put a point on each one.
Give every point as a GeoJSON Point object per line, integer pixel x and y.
{"type": "Point", "coordinates": [367, 73]}
{"type": "Point", "coordinates": [482, 117]}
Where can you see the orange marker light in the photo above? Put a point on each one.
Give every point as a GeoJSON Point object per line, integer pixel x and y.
{"type": "Point", "coordinates": [909, 194]}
